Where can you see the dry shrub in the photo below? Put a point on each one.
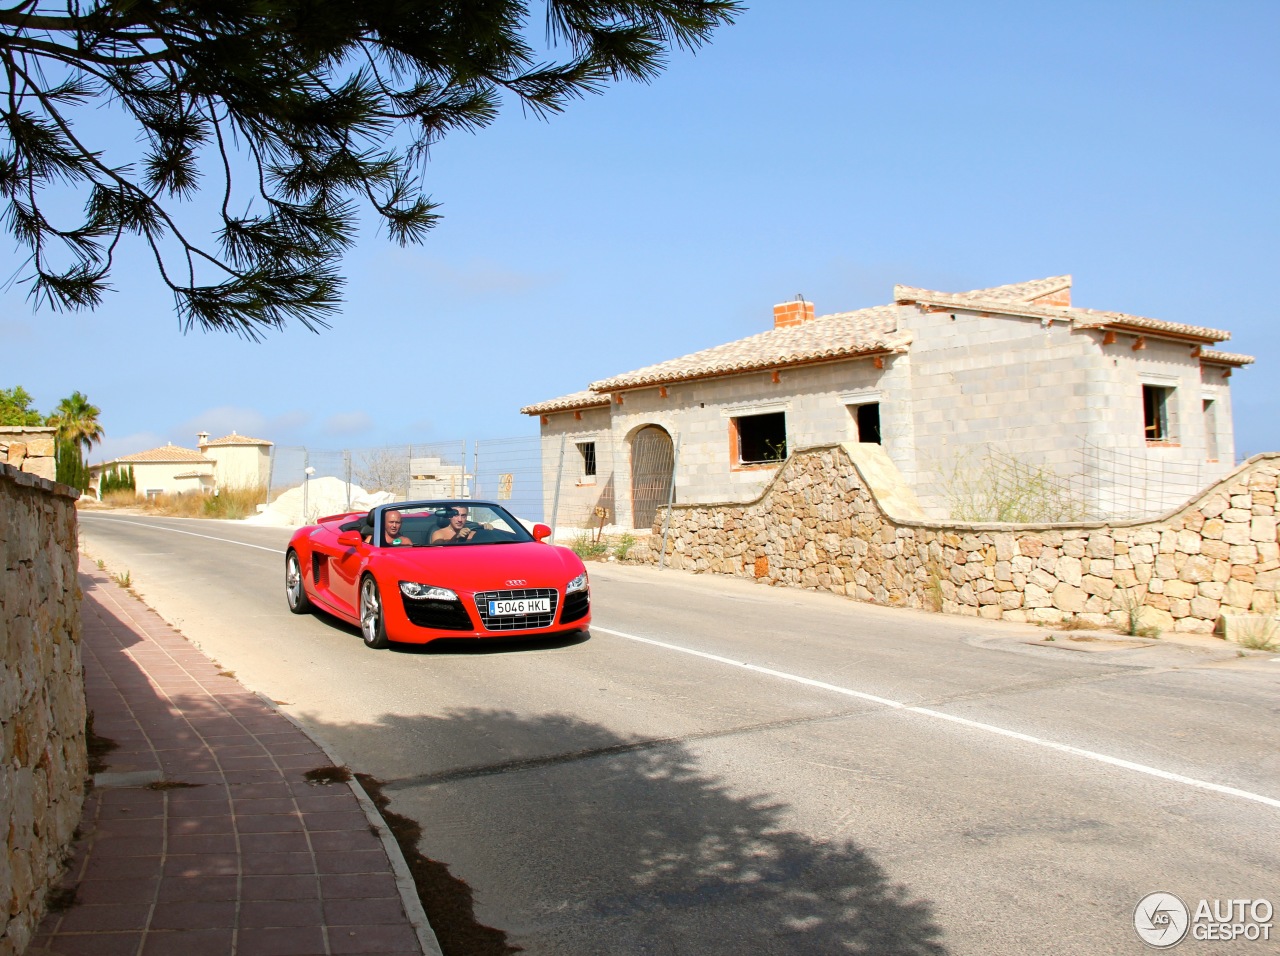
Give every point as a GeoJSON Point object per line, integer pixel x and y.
{"type": "Point", "coordinates": [229, 503]}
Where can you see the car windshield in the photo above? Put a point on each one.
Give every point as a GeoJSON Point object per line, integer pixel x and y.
{"type": "Point", "coordinates": [450, 523]}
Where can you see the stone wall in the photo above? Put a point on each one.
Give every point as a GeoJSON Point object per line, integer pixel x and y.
{"type": "Point", "coordinates": [29, 450]}
{"type": "Point", "coordinates": [817, 525]}
{"type": "Point", "coordinates": [42, 705]}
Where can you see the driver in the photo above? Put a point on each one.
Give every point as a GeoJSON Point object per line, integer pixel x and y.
{"type": "Point", "coordinates": [456, 529]}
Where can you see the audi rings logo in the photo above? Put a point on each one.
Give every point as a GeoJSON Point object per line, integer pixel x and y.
{"type": "Point", "coordinates": [516, 583]}
{"type": "Point", "coordinates": [1161, 920]}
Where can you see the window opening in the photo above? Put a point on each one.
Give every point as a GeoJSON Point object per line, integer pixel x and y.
{"type": "Point", "coordinates": [1155, 412]}
{"type": "Point", "coordinates": [588, 451]}
{"type": "Point", "coordinates": [1211, 429]}
{"type": "Point", "coordinates": [761, 438]}
{"type": "Point", "coordinates": [868, 419]}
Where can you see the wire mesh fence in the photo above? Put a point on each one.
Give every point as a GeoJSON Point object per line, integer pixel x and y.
{"type": "Point", "coordinates": [578, 487]}
{"type": "Point", "coordinates": [604, 485]}
{"type": "Point", "coordinates": [1091, 483]}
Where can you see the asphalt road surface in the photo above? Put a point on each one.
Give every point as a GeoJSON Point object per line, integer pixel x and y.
{"type": "Point", "coordinates": [726, 768]}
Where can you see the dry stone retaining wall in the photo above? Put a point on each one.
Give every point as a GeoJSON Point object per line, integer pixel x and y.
{"type": "Point", "coordinates": [42, 705]}
{"type": "Point", "coordinates": [818, 526]}
{"type": "Point", "coordinates": [29, 449]}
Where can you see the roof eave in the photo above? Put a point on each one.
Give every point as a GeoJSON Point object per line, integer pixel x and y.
{"type": "Point", "coordinates": [613, 385]}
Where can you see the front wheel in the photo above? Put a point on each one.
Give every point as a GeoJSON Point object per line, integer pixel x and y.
{"type": "Point", "coordinates": [294, 589]}
{"type": "Point", "coordinates": [372, 625]}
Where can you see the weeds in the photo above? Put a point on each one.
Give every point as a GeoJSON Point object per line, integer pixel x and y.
{"type": "Point", "coordinates": [1002, 488]}
{"type": "Point", "coordinates": [1130, 602]}
{"type": "Point", "coordinates": [623, 546]}
{"type": "Point", "coordinates": [1256, 632]}
{"type": "Point", "coordinates": [124, 580]}
{"type": "Point", "coordinates": [1077, 624]}
{"type": "Point", "coordinates": [228, 503]}
{"type": "Point", "coordinates": [933, 587]}
{"type": "Point", "coordinates": [587, 548]}
{"type": "Point", "coordinates": [102, 565]}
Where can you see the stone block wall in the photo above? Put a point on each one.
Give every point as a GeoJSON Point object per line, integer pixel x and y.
{"type": "Point", "coordinates": [42, 705]}
{"type": "Point", "coordinates": [29, 450]}
{"type": "Point", "coordinates": [817, 525]}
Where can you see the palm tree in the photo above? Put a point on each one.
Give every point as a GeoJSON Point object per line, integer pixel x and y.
{"type": "Point", "coordinates": [77, 421]}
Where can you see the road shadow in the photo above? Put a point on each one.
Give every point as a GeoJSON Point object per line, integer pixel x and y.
{"type": "Point", "coordinates": [604, 844]}
{"type": "Point", "coordinates": [461, 645]}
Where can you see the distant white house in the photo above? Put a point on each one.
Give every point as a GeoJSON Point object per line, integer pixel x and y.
{"type": "Point", "coordinates": [234, 461]}
{"type": "Point", "coordinates": [1118, 404]}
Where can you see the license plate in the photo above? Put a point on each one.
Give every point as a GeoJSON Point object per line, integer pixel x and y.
{"type": "Point", "coordinates": [520, 606]}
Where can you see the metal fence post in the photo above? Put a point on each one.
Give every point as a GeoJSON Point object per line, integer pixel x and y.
{"type": "Point", "coordinates": [346, 467]}
{"type": "Point", "coordinates": [671, 500]}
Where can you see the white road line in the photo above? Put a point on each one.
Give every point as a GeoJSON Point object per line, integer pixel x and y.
{"type": "Point", "coordinates": [976, 725]}
{"type": "Point", "coordinates": [159, 527]}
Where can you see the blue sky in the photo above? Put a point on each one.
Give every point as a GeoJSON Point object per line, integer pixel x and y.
{"type": "Point", "coordinates": [828, 148]}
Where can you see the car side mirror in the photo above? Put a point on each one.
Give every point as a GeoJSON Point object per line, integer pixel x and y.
{"type": "Point", "coordinates": [541, 532]}
{"type": "Point", "coordinates": [349, 539]}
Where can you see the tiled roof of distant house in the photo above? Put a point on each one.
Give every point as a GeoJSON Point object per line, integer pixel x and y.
{"type": "Point", "coordinates": [1021, 300]}
{"type": "Point", "coordinates": [234, 439]}
{"type": "Point", "coordinates": [838, 336]}
{"type": "Point", "coordinates": [169, 453]}
{"type": "Point", "coordinates": [876, 330]}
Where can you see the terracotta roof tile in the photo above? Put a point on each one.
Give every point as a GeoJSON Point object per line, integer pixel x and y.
{"type": "Point", "coordinates": [836, 336]}
{"type": "Point", "coordinates": [1017, 292]}
{"type": "Point", "coordinates": [1079, 318]}
{"type": "Point", "coordinates": [195, 474]}
{"type": "Point", "coordinates": [1214, 357]}
{"type": "Point", "coordinates": [168, 453]}
{"type": "Point", "coordinates": [878, 329]}
{"type": "Point", "coordinates": [584, 399]}
{"type": "Point", "coordinates": [234, 439]}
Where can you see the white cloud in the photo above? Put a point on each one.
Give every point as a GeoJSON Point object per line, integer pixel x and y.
{"type": "Point", "coordinates": [348, 423]}
{"type": "Point", "coordinates": [112, 447]}
{"type": "Point", "coordinates": [222, 421]}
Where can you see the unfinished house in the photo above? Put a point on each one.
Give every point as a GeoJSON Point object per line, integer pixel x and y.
{"type": "Point", "coordinates": [1095, 414]}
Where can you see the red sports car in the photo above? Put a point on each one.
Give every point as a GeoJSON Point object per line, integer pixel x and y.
{"type": "Point", "coordinates": [418, 571]}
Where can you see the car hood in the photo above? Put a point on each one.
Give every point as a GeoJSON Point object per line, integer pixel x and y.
{"type": "Point", "coordinates": [485, 567]}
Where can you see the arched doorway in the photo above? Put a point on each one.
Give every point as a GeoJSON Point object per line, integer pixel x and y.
{"type": "Point", "coordinates": [651, 464]}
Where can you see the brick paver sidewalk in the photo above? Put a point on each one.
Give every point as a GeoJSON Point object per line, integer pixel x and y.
{"type": "Point", "coordinates": [203, 835]}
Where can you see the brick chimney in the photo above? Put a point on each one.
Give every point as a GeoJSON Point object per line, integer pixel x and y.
{"type": "Point", "coordinates": [795, 312]}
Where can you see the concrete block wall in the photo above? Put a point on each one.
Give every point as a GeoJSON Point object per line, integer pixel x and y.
{"type": "Point", "coordinates": [42, 704]}
{"type": "Point", "coordinates": [812, 397]}
{"type": "Point", "coordinates": [818, 525]}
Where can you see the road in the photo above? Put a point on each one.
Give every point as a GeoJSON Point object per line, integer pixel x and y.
{"type": "Point", "coordinates": [725, 768]}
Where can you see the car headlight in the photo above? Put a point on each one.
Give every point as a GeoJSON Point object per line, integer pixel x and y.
{"type": "Point", "coordinates": [426, 592]}
{"type": "Point", "coordinates": [577, 584]}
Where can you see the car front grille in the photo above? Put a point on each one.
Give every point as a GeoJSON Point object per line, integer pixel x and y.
{"type": "Point", "coordinates": [576, 606]}
{"type": "Point", "coordinates": [520, 621]}
{"type": "Point", "coordinates": [440, 615]}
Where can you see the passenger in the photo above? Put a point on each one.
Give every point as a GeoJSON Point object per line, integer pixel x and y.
{"type": "Point", "coordinates": [391, 538]}
{"type": "Point", "coordinates": [456, 529]}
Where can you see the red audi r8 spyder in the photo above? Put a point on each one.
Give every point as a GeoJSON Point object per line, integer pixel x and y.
{"type": "Point", "coordinates": [418, 571]}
